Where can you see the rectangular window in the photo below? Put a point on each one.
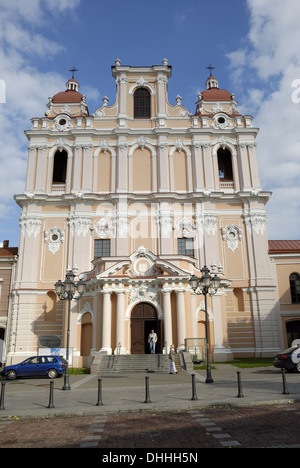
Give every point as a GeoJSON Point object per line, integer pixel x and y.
{"type": "Point", "coordinates": [185, 246]}
{"type": "Point", "coordinates": [102, 248]}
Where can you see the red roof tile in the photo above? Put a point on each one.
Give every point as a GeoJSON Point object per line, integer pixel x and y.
{"type": "Point", "coordinates": [8, 252]}
{"type": "Point", "coordinates": [216, 94]}
{"type": "Point", "coordinates": [284, 246]}
{"type": "Point", "coordinates": [67, 96]}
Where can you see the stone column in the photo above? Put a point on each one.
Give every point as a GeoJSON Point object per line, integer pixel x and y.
{"type": "Point", "coordinates": [166, 293]}
{"type": "Point", "coordinates": [95, 322]}
{"type": "Point", "coordinates": [120, 323]}
{"type": "Point", "coordinates": [181, 326]}
{"type": "Point", "coordinates": [106, 325]}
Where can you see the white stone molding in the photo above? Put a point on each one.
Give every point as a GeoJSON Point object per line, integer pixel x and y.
{"type": "Point", "coordinates": [232, 234]}
{"type": "Point", "coordinates": [210, 223]}
{"type": "Point", "coordinates": [121, 221]}
{"type": "Point", "coordinates": [221, 121]}
{"type": "Point", "coordinates": [162, 144]}
{"type": "Point", "coordinates": [165, 222]}
{"type": "Point", "coordinates": [223, 142]}
{"type": "Point", "coordinates": [59, 145]}
{"type": "Point", "coordinates": [104, 146]}
{"type": "Point", "coordinates": [54, 236]}
{"type": "Point", "coordinates": [143, 292]}
{"type": "Point", "coordinates": [143, 262]}
{"type": "Point", "coordinates": [122, 145]}
{"type": "Point", "coordinates": [255, 221]}
{"type": "Point", "coordinates": [30, 224]}
{"type": "Point", "coordinates": [83, 145]}
{"type": "Point", "coordinates": [86, 308]}
{"type": "Point", "coordinates": [245, 144]}
{"type": "Point", "coordinates": [201, 308]}
{"type": "Point", "coordinates": [141, 142]}
{"type": "Point", "coordinates": [141, 83]}
{"type": "Point", "coordinates": [185, 228]}
{"type": "Point", "coordinates": [79, 224]}
{"type": "Point", "coordinates": [61, 123]}
{"type": "Point", "coordinates": [103, 228]}
{"type": "Point", "coordinates": [37, 146]}
{"type": "Point", "coordinates": [180, 146]}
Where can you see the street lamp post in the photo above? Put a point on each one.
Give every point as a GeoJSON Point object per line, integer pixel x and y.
{"type": "Point", "coordinates": [66, 291]}
{"type": "Point", "coordinates": [207, 284]}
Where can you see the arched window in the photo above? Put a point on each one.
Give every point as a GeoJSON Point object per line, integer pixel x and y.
{"type": "Point", "coordinates": [142, 108]}
{"type": "Point", "coordinates": [225, 165]}
{"type": "Point", "coordinates": [60, 167]}
{"type": "Point", "coordinates": [295, 288]}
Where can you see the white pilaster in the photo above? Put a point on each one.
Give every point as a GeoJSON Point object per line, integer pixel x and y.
{"type": "Point", "coordinates": [120, 335]}
{"type": "Point", "coordinates": [181, 325]}
{"type": "Point", "coordinates": [106, 325]}
{"type": "Point", "coordinates": [167, 317]}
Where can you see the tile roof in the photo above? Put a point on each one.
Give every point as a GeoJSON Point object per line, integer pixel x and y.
{"type": "Point", "coordinates": [284, 246]}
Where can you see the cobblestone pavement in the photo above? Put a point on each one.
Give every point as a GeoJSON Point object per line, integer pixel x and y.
{"type": "Point", "coordinates": [200, 427]}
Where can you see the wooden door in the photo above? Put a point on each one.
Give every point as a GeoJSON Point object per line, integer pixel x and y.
{"type": "Point", "coordinates": [137, 337]}
{"type": "Point", "coordinates": [142, 313]}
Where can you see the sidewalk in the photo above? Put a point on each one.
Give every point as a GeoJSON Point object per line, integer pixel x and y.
{"type": "Point", "coordinates": [126, 393]}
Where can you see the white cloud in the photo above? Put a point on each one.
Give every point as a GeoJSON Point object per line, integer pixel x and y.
{"type": "Point", "coordinates": [22, 44]}
{"type": "Point", "coordinates": [273, 64]}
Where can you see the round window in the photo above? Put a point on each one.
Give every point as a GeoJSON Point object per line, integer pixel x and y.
{"type": "Point", "coordinates": [62, 122]}
{"type": "Point", "coordinates": [221, 120]}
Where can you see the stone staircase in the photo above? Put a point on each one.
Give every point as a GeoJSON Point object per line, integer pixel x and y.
{"type": "Point", "coordinates": [134, 363]}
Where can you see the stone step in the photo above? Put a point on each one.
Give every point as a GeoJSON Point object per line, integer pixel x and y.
{"type": "Point", "coordinates": [134, 363]}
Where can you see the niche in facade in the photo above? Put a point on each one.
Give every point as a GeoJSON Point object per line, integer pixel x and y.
{"type": "Point", "coordinates": [225, 164]}
{"type": "Point", "coordinates": [60, 167]}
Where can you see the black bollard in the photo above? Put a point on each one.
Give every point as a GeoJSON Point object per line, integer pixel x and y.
{"type": "Point", "coordinates": [194, 393]}
{"type": "Point", "coordinates": [99, 401]}
{"type": "Point", "coordinates": [147, 399]}
{"type": "Point", "coordinates": [51, 405]}
{"type": "Point", "coordinates": [2, 396]}
{"type": "Point", "coordinates": [240, 392]}
{"type": "Point", "coordinates": [285, 390]}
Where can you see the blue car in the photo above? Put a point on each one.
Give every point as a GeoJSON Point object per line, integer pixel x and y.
{"type": "Point", "coordinates": [51, 366]}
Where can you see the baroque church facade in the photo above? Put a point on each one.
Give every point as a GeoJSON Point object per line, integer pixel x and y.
{"type": "Point", "coordinates": [136, 198]}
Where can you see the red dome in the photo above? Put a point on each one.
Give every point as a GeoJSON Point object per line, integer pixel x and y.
{"type": "Point", "coordinates": [68, 96]}
{"type": "Point", "coordinates": [216, 94]}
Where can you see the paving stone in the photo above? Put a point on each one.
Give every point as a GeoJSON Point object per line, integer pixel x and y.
{"type": "Point", "coordinates": [224, 435]}
{"type": "Point", "coordinates": [230, 443]}
{"type": "Point", "coordinates": [89, 444]}
{"type": "Point", "coordinates": [267, 426]}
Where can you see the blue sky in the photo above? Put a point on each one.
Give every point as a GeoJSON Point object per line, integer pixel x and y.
{"type": "Point", "coordinates": [253, 44]}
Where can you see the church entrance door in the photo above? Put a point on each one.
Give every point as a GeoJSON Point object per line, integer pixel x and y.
{"type": "Point", "coordinates": [143, 320]}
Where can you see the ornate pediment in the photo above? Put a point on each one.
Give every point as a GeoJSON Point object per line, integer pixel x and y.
{"type": "Point", "coordinates": [142, 263]}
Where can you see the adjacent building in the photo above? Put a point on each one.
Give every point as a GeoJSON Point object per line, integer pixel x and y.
{"type": "Point", "coordinates": [8, 262]}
